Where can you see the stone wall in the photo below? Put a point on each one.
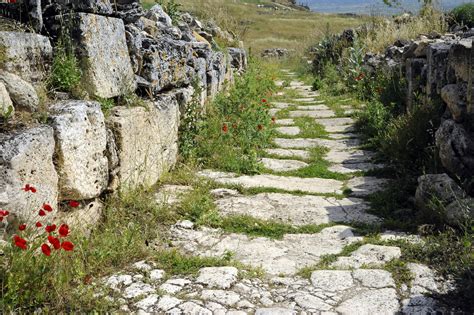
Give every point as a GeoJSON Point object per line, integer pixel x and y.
{"type": "Point", "coordinates": [77, 152]}
{"type": "Point", "coordinates": [439, 69]}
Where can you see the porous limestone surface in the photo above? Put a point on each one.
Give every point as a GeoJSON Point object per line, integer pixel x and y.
{"type": "Point", "coordinates": [288, 153]}
{"type": "Point", "coordinates": [306, 143]}
{"type": "Point", "coordinates": [312, 113]}
{"type": "Point", "coordinates": [288, 183]}
{"type": "Point", "coordinates": [297, 210]}
{"type": "Point", "coordinates": [368, 255]}
{"type": "Point", "coordinates": [289, 131]}
{"type": "Point", "coordinates": [285, 122]}
{"type": "Point", "coordinates": [277, 165]}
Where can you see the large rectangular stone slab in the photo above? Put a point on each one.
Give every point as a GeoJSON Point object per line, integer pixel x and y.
{"type": "Point", "coordinates": [146, 140]}
{"type": "Point", "coordinates": [312, 113]}
{"type": "Point", "coordinates": [104, 57]}
{"type": "Point", "coordinates": [27, 55]}
{"type": "Point", "coordinates": [26, 157]}
{"type": "Point", "coordinates": [81, 141]}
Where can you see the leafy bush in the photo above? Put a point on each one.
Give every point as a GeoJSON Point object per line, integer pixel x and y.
{"type": "Point", "coordinates": [171, 7]}
{"type": "Point", "coordinates": [464, 14]}
{"type": "Point", "coordinates": [65, 72]}
{"type": "Point", "coordinates": [238, 124]}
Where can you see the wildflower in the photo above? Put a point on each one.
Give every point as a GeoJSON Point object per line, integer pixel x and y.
{"type": "Point", "coordinates": [74, 204]}
{"type": "Point", "coordinates": [50, 228]}
{"type": "Point", "coordinates": [4, 213]}
{"type": "Point", "coordinates": [225, 128]}
{"type": "Point", "coordinates": [29, 188]}
{"type": "Point", "coordinates": [67, 246]}
{"type": "Point", "coordinates": [260, 127]}
{"type": "Point", "coordinates": [22, 227]}
{"type": "Point", "coordinates": [360, 76]}
{"type": "Point", "coordinates": [264, 100]}
{"type": "Point", "coordinates": [54, 241]}
{"type": "Point", "coordinates": [64, 230]}
{"type": "Point", "coordinates": [19, 242]}
{"type": "Point", "coordinates": [273, 119]}
{"type": "Point", "coordinates": [39, 224]}
{"type": "Point", "coordinates": [46, 249]}
{"type": "Point", "coordinates": [47, 207]}
{"type": "Point", "coordinates": [41, 213]}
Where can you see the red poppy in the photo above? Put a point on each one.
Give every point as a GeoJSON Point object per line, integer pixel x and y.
{"type": "Point", "coordinates": [4, 213]}
{"type": "Point", "coordinates": [39, 224]}
{"type": "Point", "coordinates": [54, 241]}
{"type": "Point", "coordinates": [260, 127]}
{"type": "Point", "coordinates": [67, 246]}
{"type": "Point", "coordinates": [50, 228]}
{"type": "Point", "coordinates": [47, 207]}
{"type": "Point", "coordinates": [41, 213]}
{"type": "Point", "coordinates": [46, 249]}
{"type": "Point", "coordinates": [29, 188]}
{"type": "Point", "coordinates": [273, 119]}
{"type": "Point", "coordinates": [22, 227]}
{"type": "Point", "coordinates": [360, 77]}
{"type": "Point", "coordinates": [19, 242]}
{"type": "Point", "coordinates": [1, 219]}
{"type": "Point", "coordinates": [74, 204]}
{"type": "Point", "coordinates": [264, 100]}
{"type": "Point", "coordinates": [225, 128]}
{"type": "Point", "coordinates": [64, 230]}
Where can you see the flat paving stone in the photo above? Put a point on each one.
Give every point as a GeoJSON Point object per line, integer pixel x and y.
{"type": "Point", "coordinates": [313, 107]}
{"type": "Point", "coordinates": [289, 131]}
{"type": "Point", "coordinates": [343, 135]}
{"type": "Point", "coordinates": [305, 100]}
{"type": "Point", "coordinates": [285, 256]}
{"type": "Point", "coordinates": [349, 156]}
{"type": "Point", "coordinates": [273, 111]}
{"type": "Point", "coordinates": [288, 183]}
{"type": "Point", "coordinates": [341, 121]}
{"type": "Point", "coordinates": [351, 168]}
{"type": "Point", "coordinates": [281, 105]}
{"type": "Point", "coordinates": [305, 143]}
{"type": "Point", "coordinates": [288, 153]}
{"type": "Point", "coordinates": [372, 302]}
{"type": "Point", "coordinates": [297, 210]}
{"type": "Point", "coordinates": [368, 255]}
{"type": "Point", "coordinates": [364, 186]}
{"type": "Point", "coordinates": [285, 122]}
{"type": "Point", "coordinates": [278, 165]}
{"type": "Point", "coordinates": [312, 113]}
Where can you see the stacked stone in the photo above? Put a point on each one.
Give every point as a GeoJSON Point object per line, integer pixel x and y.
{"type": "Point", "coordinates": [122, 49]}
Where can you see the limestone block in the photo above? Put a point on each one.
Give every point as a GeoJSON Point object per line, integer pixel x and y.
{"type": "Point", "coordinates": [90, 6]}
{"type": "Point", "coordinates": [26, 157]}
{"type": "Point", "coordinates": [81, 141]}
{"type": "Point", "coordinates": [22, 93]}
{"type": "Point", "coordinates": [436, 70]}
{"type": "Point", "coordinates": [146, 140]}
{"type": "Point", "coordinates": [103, 52]}
{"type": "Point", "coordinates": [454, 95]}
{"type": "Point", "coordinates": [459, 61]}
{"type": "Point", "coordinates": [27, 55]}
{"type": "Point", "coordinates": [6, 103]}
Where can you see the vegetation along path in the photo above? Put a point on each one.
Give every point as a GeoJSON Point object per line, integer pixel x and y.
{"type": "Point", "coordinates": [322, 256]}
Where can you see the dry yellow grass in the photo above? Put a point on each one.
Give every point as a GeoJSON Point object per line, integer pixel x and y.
{"type": "Point", "coordinates": [262, 28]}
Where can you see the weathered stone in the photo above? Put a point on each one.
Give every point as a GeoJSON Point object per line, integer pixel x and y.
{"type": "Point", "coordinates": [107, 70]}
{"type": "Point", "coordinates": [285, 122]}
{"type": "Point", "coordinates": [142, 266]}
{"type": "Point", "coordinates": [168, 302]}
{"type": "Point", "coordinates": [83, 218]}
{"type": "Point", "coordinates": [22, 93]}
{"type": "Point", "coordinates": [147, 303]}
{"type": "Point", "coordinates": [460, 211]}
{"type": "Point", "coordinates": [27, 55]}
{"type": "Point", "coordinates": [437, 189]}
{"type": "Point", "coordinates": [193, 308]}
{"type": "Point", "coordinates": [290, 131]}
{"type": "Point", "coordinates": [288, 153]}
{"type": "Point", "coordinates": [156, 275]}
{"type": "Point", "coordinates": [310, 185]}
{"type": "Point", "coordinates": [296, 210]}
{"type": "Point", "coordinates": [218, 277]}
{"type": "Point", "coordinates": [369, 255]}
{"type": "Point", "coordinates": [312, 113]}
{"type": "Point", "coordinates": [116, 282]}
{"type": "Point", "coordinates": [437, 54]}
{"type": "Point", "coordinates": [228, 298]}
{"type": "Point", "coordinates": [374, 278]}
{"type": "Point", "coordinates": [6, 104]}
{"type": "Point", "coordinates": [365, 186]}
{"type": "Point", "coordinates": [137, 289]}
{"type": "Point", "coordinates": [278, 165]}
{"type": "Point", "coordinates": [81, 141]}
{"type": "Point", "coordinates": [285, 256]}
{"type": "Point", "coordinates": [90, 6]}
{"type": "Point", "coordinates": [373, 302]}
{"type": "Point", "coordinates": [157, 14]}
{"type": "Point", "coordinates": [238, 59]}
{"type": "Point", "coordinates": [305, 143]}
{"type": "Point", "coordinates": [459, 60]}
{"type": "Point", "coordinates": [455, 97]}
{"type": "Point", "coordinates": [456, 148]}
{"type": "Point", "coordinates": [332, 280]}
{"type": "Point", "coordinates": [275, 311]}
{"type": "Point", "coordinates": [308, 301]}
{"type": "Point", "coordinates": [26, 157]}
{"type": "Point", "coordinates": [146, 140]}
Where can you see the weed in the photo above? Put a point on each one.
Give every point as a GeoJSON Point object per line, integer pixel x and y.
{"type": "Point", "coordinates": [65, 71]}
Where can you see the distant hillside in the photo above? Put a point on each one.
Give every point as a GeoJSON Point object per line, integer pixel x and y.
{"type": "Point", "coordinates": [265, 24]}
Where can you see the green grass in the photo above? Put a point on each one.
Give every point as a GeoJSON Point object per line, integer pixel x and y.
{"type": "Point", "coordinates": [308, 129]}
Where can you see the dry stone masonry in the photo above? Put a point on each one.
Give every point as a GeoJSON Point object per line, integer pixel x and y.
{"type": "Point", "coordinates": [77, 152]}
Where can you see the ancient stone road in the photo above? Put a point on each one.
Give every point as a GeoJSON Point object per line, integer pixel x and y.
{"type": "Point", "coordinates": [353, 284]}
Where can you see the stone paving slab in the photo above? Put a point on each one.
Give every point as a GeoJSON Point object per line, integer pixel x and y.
{"type": "Point", "coordinates": [288, 153]}
{"type": "Point", "coordinates": [349, 156]}
{"type": "Point", "coordinates": [351, 168]}
{"type": "Point", "coordinates": [308, 185]}
{"type": "Point", "coordinates": [281, 105]}
{"type": "Point", "coordinates": [297, 210]}
{"type": "Point", "coordinates": [368, 255]}
{"type": "Point", "coordinates": [273, 111]}
{"type": "Point", "coordinates": [341, 121]}
{"type": "Point", "coordinates": [305, 99]}
{"type": "Point", "coordinates": [365, 186]}
{"type": "Point", "coordinates": [343, 135]}
{"type": "Point", "coordinates": [277, 165]}
{"type": "Point", "coordinates": [285, 122]}
{"type": "Point", "coordinates": [312, 113]}
{"type": "Point", "coordinates": [305, 143]}
{"type": "Point", "coordinates": [313, 107]}
{"type": "Point", "coordinates": [285, 256]}
{"type": "Point", "coordinates": [289, 131]}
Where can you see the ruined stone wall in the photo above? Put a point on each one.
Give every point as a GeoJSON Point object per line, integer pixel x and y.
{"type": "Point", "coordinates": [76, 152]}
